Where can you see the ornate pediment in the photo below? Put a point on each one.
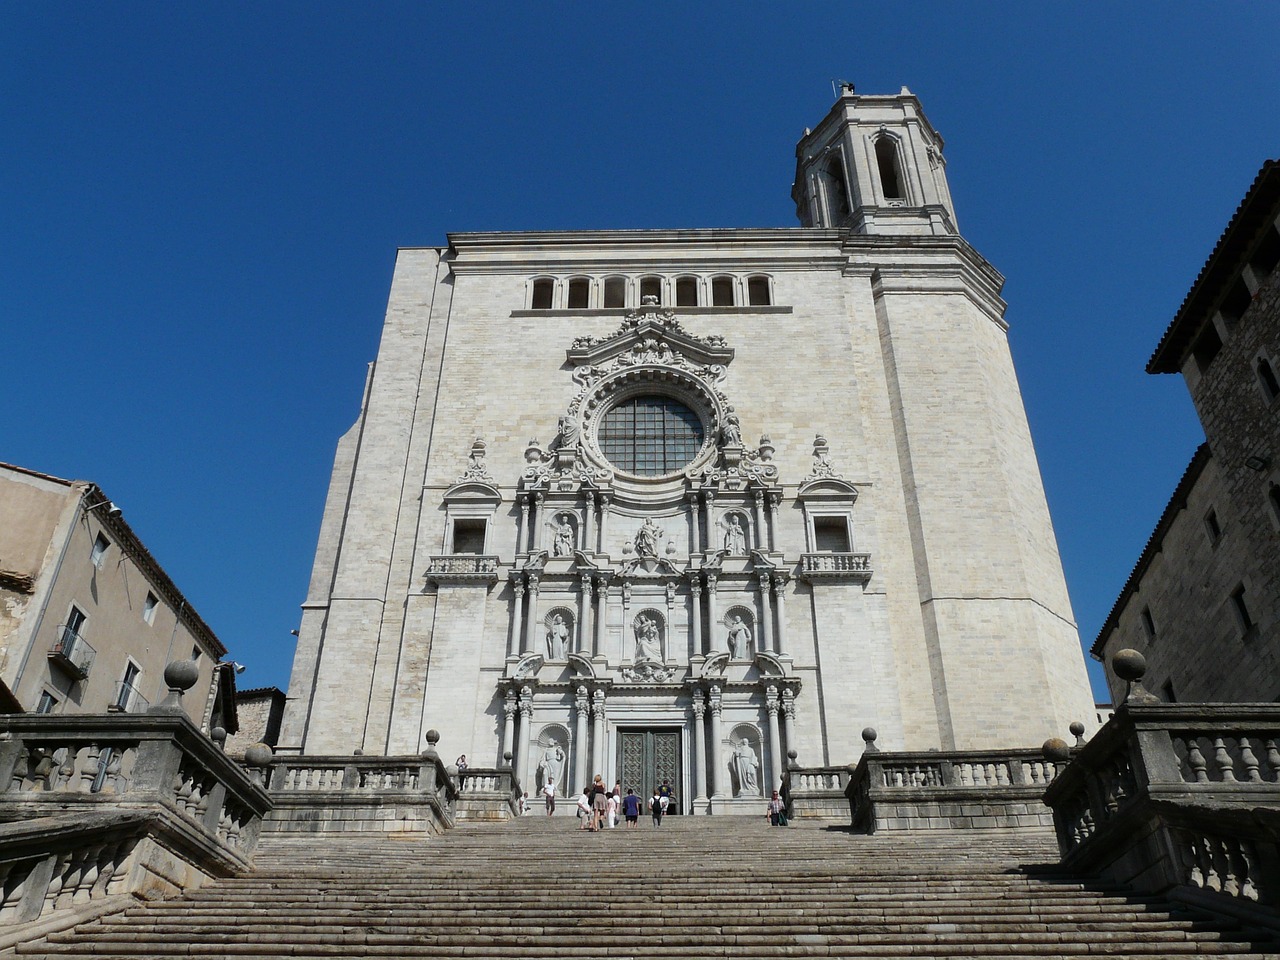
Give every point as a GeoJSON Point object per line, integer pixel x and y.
{"type": "Point", "coordinates": [650, 335]}
{"type": "Point", "coordinates": [528, 666]}
{"type": "Point", "coordinates": [647, 671]}
{"type": "Point", "coordinates": [648, 567]}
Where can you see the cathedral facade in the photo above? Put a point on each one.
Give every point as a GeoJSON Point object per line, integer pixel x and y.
{"type": "Point", "coordinates": [665, 505]}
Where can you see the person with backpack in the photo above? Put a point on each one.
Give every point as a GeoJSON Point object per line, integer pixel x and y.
{"type": "Point", "coordinates": [655, 807]}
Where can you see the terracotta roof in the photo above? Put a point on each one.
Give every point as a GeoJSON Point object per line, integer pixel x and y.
{"type": "Point", "coordinates": [1256, 211]}
{"type": "Point", "coordinates": [1198, 462]}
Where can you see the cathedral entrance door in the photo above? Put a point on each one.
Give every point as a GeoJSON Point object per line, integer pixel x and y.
{"type": "Point", "coordinates": [646, 758]}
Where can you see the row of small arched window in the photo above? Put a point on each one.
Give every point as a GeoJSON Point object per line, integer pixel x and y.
{"type": "Point", "coordinates": [581, 293]}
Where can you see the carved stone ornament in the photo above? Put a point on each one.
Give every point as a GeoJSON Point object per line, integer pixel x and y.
{"type": "Point", "coordinates": [647, 671]}
{"type": "Point", "coordinates": [823, 468]}
{"type": "Point", "coordinates": [477, 470]}
{"type": "Point", "coordinates": [528, 666]}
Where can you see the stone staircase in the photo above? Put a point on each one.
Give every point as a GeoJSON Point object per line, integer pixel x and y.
{"type": "Point", "coordinates": [704, 887]}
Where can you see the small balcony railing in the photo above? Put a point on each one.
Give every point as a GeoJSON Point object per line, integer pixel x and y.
{"type": "Point", "coordinates": [463, 568]}
{"type": "Point", "coordinates": [128, 700]}
{"type": "Point", "coordinates": [72, 653]}
{"type": "Point", "coordinates": [855, 567]}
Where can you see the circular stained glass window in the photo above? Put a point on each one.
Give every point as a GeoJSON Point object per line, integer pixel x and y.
{"type": "Point", "coordinates": [650, 436]}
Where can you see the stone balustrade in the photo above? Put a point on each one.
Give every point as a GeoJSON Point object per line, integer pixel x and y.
{"type": "Point", "coordinates": [463, 568]}
{"type": "Point", "coordinates": [1181, 798]}
{"type": "Point", "coordinates": [855, 567]}
{"type": "Point", "coordinates": [488, 794]}
{"type": "Point", "coordinates": [97, 805]}
{"type": "Point", "coordinates": [932, 790]}
{"type": "Point", "coordinates": [815, 791]}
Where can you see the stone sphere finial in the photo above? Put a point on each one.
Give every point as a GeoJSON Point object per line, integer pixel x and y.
{"type": "Point", "coordinates": [219, 736]}
{"type": "Point", "coordinates": [1131, 666]}
{"type": "Point", "coordinates": [792, 763]}
{"type": "Point", "coordinates": [506, 757]}
{"type": "Point", "coordinates": [357, 752]}
{"type": "Point", "coordinates": [869, 739]}
{"type": "Point", "coordinates": [433, 736]}
{"type": "Point", "coordinates": [1056, 749]}
{"type": "Point", "coordinates": [181, 675]}
{"type": "Point", "coordinates": [258, 755]}
{"type": "Point", "coordinates": [1077, 731]}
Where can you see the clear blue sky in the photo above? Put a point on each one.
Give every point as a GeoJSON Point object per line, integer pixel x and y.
{"type": "Point", "coordinates": [201, 206]}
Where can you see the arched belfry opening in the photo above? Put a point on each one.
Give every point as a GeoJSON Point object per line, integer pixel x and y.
{"type": "Point", "coordinates": [890, 169]}
{"type": "Point", "coordinates": [837, 189]}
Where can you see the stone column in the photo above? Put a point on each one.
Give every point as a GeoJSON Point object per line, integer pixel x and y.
{"type": "Point", "coordinates": [717, 761]}
{"type": "Point", "coordinates": [708, 533]}
{"type": "Point", "coordinates": [713, 614]}
{"type": "Point", "coordinates": [789, 717]}
{"type": "Point", "coordinates": [524, 524]}
{"type": "Point", "coordinates": [597, 735]}
{"type": "Point", "coordinates": [667, 654]}
{"type": "Point", "coordinates": [604, 522]}
{"type": "Point", "coordinates": [586, 609]}
{"type": "Point", "coordinates": [780, 592]}
{"type": "Point", "coordinates": [775, 741]}
{"type": "Point", "coordinates": [535, 519]}
{"type": "Point", "coordinates": [628, 648]}
{"type": "Point", "coordinates": [531, 618]}
{"type": "Point", "coordinates": [517, 611]}
{"type": "Point", "coordinates": [695, 620]}
{"type": "Point", "coordinates": [589, 528]}
{"type": "Point", "coordinates": [699, 744]}
{"type": "Point", "coordinates": [766, 614]}
{"type": "Point", "coordinates": [695, 515]}
{"type": "Point", "coordinates": [509, 725]}
{"type": "Point", "coordinates": [762, 532]}
{"type": "Point", "coordinates": [525, 740]}
{"type": "Point", "coordinates": [602, 615]}
{"type": "Point", "coordinates": [582, 709]}
{"type": "Point", "coordinates": [774, 500]}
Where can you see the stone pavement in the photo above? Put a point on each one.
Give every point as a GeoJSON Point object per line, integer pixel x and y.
{"type": "Point", "coordinates": [704, 887]}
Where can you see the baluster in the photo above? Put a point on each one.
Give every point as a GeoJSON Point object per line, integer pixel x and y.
{"type": "Point", "coordinates": [1204, 863]}
{"type": "Point", "coordinates": [70, 880]}
{"type": "Point", "coordinates": [1196, 760]}
{"type": "Point", "coordinates": [56, 882]}
{"type": "Point", "coordinates": [10, 896]}
{"type": "Point", "coordinates": [85, 884]}
{"type": "Point", "coordinates": [1002, 774]}
{"type": "Point", "coordinates": [1222, 868]}
{"type": "Point", "coordinates": [1273, 759]}
{"type": "Point", "coordinates": [1250, 761]}
{"type": "Point", "coordinates": [966, 775]}
{"type": "Point", "coordinates": [1187, 857]}
{"type": "Point", "coordinates": [1223, 759]}
{"type": "Point", "coordinates": [1249, 869]}
{"type": "Point", "coordinates": [89, 772]}
{"type": "Point", "coordinates": [67, 768]}
{"type": "Point", "coordinates": [107, 862]}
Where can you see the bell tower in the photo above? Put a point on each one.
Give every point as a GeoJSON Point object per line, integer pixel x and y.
{"type": "Point", "coordinates": [874, 165]}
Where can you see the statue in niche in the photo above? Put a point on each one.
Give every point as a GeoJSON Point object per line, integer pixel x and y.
{"type": "Point", "coordinates": [739, 639]}
{"type": "Point", "coordinates": [746, 769]}
{"type": "Point", "coordinates": [557, 638]}
{"type": "Point", "coordinates": [731, 432]}
{"type": "Point", "coordinates": [735, 537]}
{"type": "Point", "coordinates": [551, 765]}
{"type": "Point", "coordinates": [562, 545]}
{"type": "Point", "coordinates": [647, 539]}
{"type": "Point", "coordinates": [648, 639]}
{"type": "Point", "coordinates": [568, 431]}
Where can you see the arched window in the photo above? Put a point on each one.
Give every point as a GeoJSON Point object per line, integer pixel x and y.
{"type": "Point", "coordinates": [722, 291]}
{"type": "Point", "coordinates": [1267, 379]}
{"type": "Point", "coordinates": [651, 287]}
{"type": "Point", "coordinates": [758, 291]}
{"type": "Point", "coordinates": [890, 175]}
{"type": "Point", "coordinates": [650, 436]}
{"type": "Point", "coordinates": [579, 291]}
{"type": "Point", "coordinates": [687, 292]}
{"type": "Point", "coordinates": [837, 190]}
{"type": "Point", "coordinates": [615, 292]}
{"type": "Point", "coordinates": [542, 292]}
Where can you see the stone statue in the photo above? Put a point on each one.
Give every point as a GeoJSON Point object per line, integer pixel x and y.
{"type": "Point", "coordinates": [557, 638]}
{"type": "Point", "coordinates": [746, 769]}
{"type": "Point", "coordinates": [568, 430]}
{"type": "Point", "coordinates": [739, 639]}
{"type": "Point", "coordinates": [551, 766]}
{"type": "Point", "coordinates": [648, 640]}
{"type": "Point", "coordinates": [647, 539]}
{"type": "Point", "coordinates": [735, 538]}
{"type": "Point", "coordinates": [563, 544]}
{"type": "Point", "coordinates": [731, 432]}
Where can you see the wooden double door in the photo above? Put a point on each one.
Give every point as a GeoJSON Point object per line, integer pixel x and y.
{"type": "Point", "coordinates": [646, 757]}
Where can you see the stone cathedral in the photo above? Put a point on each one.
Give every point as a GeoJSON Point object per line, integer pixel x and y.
{"type": "Point", "coordinates": [668, 504]}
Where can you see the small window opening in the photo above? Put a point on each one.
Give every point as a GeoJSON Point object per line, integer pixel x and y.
{"type": "Point", "coordinates": [758, 291]}
{"type": "Point", "coordinates": [542, 290]}
{"type": "Point", "coordinates": [687, 292]}
{"type": "Point", "coordinates": [1267, 256]}
{"type": "Point", "coordinates": [47, 702]}
{"type": "Point", "coordinates": [1243, 617]}
{"type": "Point", "coordinates": [651, 287]}
{"type": "Point", "coordinates": [1236, 302]}
{"type": "Point", "coordinates": [75, 621]}
{"type": "Point", "coordinates": [837, 191]}
{"type": "Point", "coordinates": [468, 536]}
{"type": "Point", "coordinates": [1206, 347]}
{"type": "Point", "coordinates": [887, 160]}
{"type": "Point", "coordinates": [1267, 379]}
{"type": "Point", "coordinates": [128, 686]}
{"type": "Point", "coordinates": [615, 292]}
{"type": "Point", "coordinates": [831, 534]}
{"type": "Point", "coordinates": [1213, 526]}
{"type": "Point", "coordinates": [1167, 690]}
{"type": "Point", "coordinates": [1148, 625]}
{"type": "Point", "coordinates": [195, 652]}
{"type": "Point", "coordinates": [722, 292]}
{"type": "Point", "coordinates": [579, 290]}
{"type": "Point", "coordinates": [100, 546]}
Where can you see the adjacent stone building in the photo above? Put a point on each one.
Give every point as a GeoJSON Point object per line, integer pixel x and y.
{"type": "Point", "coordinates": [665, 504]}
{"type": "Point", "coordinates": [1203, 601]}
{"type": "Point", "coordinates": [88, 618]}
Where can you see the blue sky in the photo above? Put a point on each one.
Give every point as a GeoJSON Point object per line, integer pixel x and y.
{"type": "Point", "coordinates": [201, 206]}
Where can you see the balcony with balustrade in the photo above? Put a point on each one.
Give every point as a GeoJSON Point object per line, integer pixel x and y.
{"type": "Point", "coordinates": [72, 653]}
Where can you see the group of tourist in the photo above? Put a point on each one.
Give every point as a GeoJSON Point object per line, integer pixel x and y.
{"type": "Point", "coordinates": [600, 808]}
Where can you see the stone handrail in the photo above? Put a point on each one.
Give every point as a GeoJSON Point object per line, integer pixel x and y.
{"type": "Point", "coordinates": [1176, 797]}
{"type": "Point", "coordinates": [933, 789]}
{"type": "Point", "coordinates": [463, 568]}
{"type": "Point", "coordinates": [99, 804]}
{"type": "Point", "coordinates": [488, 793]}
{"type": "Point", "coordinates": [835, 566]}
